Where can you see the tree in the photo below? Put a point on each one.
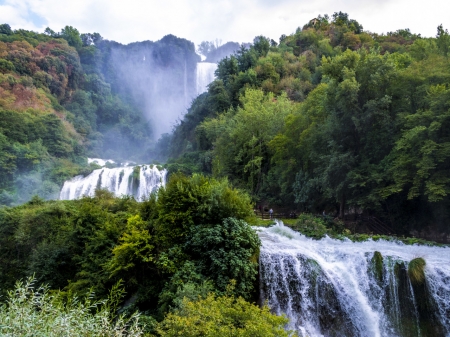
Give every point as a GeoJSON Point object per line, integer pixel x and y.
{"type": "Point", "coordinates": [225, 252]}
{"type": "Point", "coordinates": [188, 201]}
{"type": "Point", "coordinates": [241, 137]}
{"type": "Point", "coordinates": [261, 44]}
{"type": "Point", "coordinates": [72, 36]}
{"type": "Point", "coordinates": [422, 154]}
{"type": "Point", "coordinates": [5, 29]}
{"type": "Point", "coordinates": [443, 40]}
{"type": "Point", "coordinates": [206, 47]}
{"type": "Point", "coordinates": [50, 32]}
{"type": "Point", "coordinates": [223, 316]}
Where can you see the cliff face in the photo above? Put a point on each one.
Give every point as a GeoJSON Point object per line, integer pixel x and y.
{"type": "Point", "coordinates": [158, 77]}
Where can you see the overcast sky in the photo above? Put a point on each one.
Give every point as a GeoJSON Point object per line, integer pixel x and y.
{"type": "Point", "coordinates": [227, 20]}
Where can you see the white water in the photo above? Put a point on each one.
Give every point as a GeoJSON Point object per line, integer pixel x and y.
{"type": "Point", "coordinates": [101, 162]}
{"type": "Point", "coordinates": [328, 288]}
{"type": "Point", "coordinates": [118, 180]}
{"type": "Point", "coordinates": [205, 75]}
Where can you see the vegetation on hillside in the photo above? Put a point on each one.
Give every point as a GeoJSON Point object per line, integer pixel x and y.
{"type": "Point", "coordinates": [63, 96]}
{"type": "Point", "coordinates": [332, 117]}
{"type": "Point", "coordinates": [192, 231]}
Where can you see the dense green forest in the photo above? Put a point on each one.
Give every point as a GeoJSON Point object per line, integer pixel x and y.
{"type": "Point", "coordinates": [190, 241]}
{"type": "Point", "coordinates": [331, 118]}
{"type": "Point", "coordinates": [64, 96]}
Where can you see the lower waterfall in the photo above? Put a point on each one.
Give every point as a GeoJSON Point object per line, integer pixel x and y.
{"type": "Point", "coordinates": [334, 288]}
{"type": "Point", "coordinates": [138, 181]}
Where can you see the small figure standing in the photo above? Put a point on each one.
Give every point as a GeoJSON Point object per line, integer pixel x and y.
{"type": "Point", "coordinates": [323, 213]}
{"type": "Point", "coordinates": [271, 213]}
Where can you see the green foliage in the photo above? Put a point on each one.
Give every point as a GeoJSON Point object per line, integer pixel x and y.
{"type": "Point", "coordinates": [240, 138]}
{"type": "Point", "coordinates": [156, 246]}
{"type": "Point", "coordinates": [185, 202]}
{"type": "Point", "coordinates": [5, 29]}
{"type": "Point", "coordinates": [35, 311]}
{"type": "Point", "coordinates": [222, 316]}
{"type": "Point", "coordinates": [416, 270]}
{"type": "Point", "coordinates": [368, 135]}
{"type": "Point", "coordinates": [225, 252]}
{"type": "Point", "coordinates": [192, 292]}
{"type": "Point", "coordinates": [311, 226]}
{"type": "Point", "coordinates": [135, 245]}
{"type": "Point", "coordinates": [72, 36]}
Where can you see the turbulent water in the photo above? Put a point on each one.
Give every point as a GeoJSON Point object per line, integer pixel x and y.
{"type": "Point", "coordinates": [205, 75]}
{"type": "Point", "coordinates": [137, 181]}
{"type": "Point", "coordinates": [339, 288]}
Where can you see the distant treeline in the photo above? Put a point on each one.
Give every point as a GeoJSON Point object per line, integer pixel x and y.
{"type": "Point", "coordinates": [330, 118]}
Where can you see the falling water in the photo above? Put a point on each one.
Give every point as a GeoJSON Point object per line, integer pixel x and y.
{"type": "Point", "coordinates": [205, 75]}
{"type": "Point", "coordinates": [341, 288]}
{"type": "Point", "coordinates": [137, 181]}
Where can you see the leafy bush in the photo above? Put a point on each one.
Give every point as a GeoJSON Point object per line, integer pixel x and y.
{"type": "Point", "coordinates": [189, 201]}
{"type": "Point", "coordinates": [226, 251]}
{"type": "Point", "coordinates": [311, 226]}
{"type": "Point", "coordinates": [31, 311]}
{"type": "Point", "coordinates": [222, 316]}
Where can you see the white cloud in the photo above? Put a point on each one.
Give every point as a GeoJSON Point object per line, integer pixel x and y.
{"type": "Point", "coordinates": [229, 20]}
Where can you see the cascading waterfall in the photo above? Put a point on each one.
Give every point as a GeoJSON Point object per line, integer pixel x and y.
{"type": "Point", "coordinates": [138, 181]}
{"type": "Point", "coordinates": [205, 75]}
{"type": "Point", "coordinates": [341, 288]}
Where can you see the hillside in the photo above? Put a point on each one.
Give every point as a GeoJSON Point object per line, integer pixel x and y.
{"type": "Point", "coordinates": [331, 119]}
{"type": "Point", "coordinates": [65, 96]}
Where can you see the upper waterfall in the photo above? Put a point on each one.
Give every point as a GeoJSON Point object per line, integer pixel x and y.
{"type": "Point", "coordinates": [137, 181]}
{"type": "Point", "coordinates": [205, 75]}
{"type": "Point", "coordinates": [341, 288]}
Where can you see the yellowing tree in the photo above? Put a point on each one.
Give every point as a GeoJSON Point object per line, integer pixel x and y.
{"type": "Point", "coordinates": [223, 316]}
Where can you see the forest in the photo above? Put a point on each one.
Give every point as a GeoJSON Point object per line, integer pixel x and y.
{"type": "Point", "coordinates": [331, 119]}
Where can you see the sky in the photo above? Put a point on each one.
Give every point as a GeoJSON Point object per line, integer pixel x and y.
{"type": "Point", "coordinates": [225, 20]}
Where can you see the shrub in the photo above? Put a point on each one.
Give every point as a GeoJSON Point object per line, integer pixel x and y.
{"type": "Point", "coordinates": [226, 251]}
{"type": "Point", "coordinates": [31, 311]}
{"type": "Point", "coordinates": [188, 201]}
{"type": "Point", "coordinates": [311, 226]}
{"type": "Point", "coordinates": [222, 316]}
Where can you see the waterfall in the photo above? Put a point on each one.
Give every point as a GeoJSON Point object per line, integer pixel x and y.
{"type": "Point", "coordinates": [205, 75]}
{"type": "Point", "coordinates": [333, 288]}
{"type": "Point", "coordinates": [185, 82]}
{"type": "Point", "coordinates": [137, 181]}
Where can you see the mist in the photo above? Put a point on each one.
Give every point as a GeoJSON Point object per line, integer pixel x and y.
{"type": "Point", "coordinates": [158, 77]}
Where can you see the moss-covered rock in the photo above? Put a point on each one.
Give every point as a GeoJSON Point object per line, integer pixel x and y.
{"type": "Point", "coordinates": [377, 266]}
{"type": "Point", "coordinates": [416, 270]}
